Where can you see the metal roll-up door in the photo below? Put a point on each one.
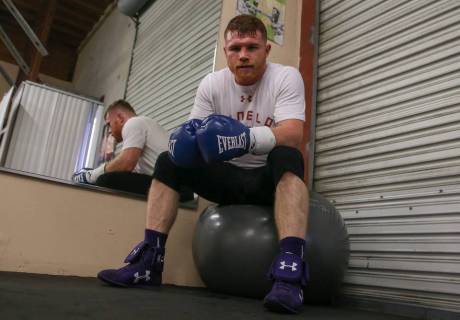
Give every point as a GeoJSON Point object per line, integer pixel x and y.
{"type": "Point", "coordinates": [387, 150]}
{"type": "Point", "coordinates": [174, 50]}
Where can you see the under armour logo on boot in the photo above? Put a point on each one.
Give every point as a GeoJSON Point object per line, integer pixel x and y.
{"type": "Point", "coordinates": [291, 266]}
{"type": "Point", "coordinates": [145, 277]}
{"type": "Point", "coordinates": [135, 251]}
{"type": "Point", "coordinates": [289, 273]}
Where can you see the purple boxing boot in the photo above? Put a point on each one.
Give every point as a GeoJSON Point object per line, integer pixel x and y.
{"type": "Point", "coordinates": [289, 273]}
{"type": "Point", "coordinates": [145, 265]}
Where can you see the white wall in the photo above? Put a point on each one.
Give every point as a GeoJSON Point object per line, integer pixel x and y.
{"type": "Point", "coordinates": [103, 63]}
{"type": "Point", "coordinates": [60, 229]}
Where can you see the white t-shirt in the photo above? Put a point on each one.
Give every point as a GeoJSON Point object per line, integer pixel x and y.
{"type": "Point", "coordinates": [145, 133]}
{"type": "Point", "coordinates": [277, 96]}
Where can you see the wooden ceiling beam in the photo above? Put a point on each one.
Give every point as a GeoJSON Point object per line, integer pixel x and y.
{"type": "Point", "coordinates": [74, 24]}
{"type": "Point", "coordinates": [73, 19]}
{"type": "Point", "coordinates": [24, 4]}
{"type": "Point", "coordinates": [45, 21]}
{"type": "Point", "coordinates": [68, 30]}
{"type": "Point", "coordinates": [47, 16]}
{"type": "Point", "coordinates": [96, 7]}
{"type": "Point", "coordinates": [78, 20]}
{"type": "Point", "coordinates": [7, 17]}
{"type": "Point", "coordinates": [61, 37]}
{"type": "Point", "coordinates": [92, 8]}
{"type": "Point", "coordinates": [77, 14]}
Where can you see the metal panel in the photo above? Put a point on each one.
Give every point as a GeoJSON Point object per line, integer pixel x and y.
{"type": "Point", "coordinates": [415, 298]}
{"type": "Point", "coordinates": [5, 113]}
{"type": "Point", "coordinates": [4, 105]}
{"type": "Point", "coordinates": [174, 50]}
{"type": "Point", "coordinates": [387, 144]}
{"type": "Point", "coordinates": [49, 129]}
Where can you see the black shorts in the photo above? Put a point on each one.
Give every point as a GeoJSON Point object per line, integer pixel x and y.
{"type": "Point", "coordinates": [225, 183]}
{"type": "Point", "coordinates": [125, 181]}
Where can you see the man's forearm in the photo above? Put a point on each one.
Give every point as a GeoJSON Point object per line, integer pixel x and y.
{"type": "Point", "coordinates": [289, 133]}
{"type": "Point", "coordinates": [125, 161]}
{"type": "Point", "coordinates": [118, 164]}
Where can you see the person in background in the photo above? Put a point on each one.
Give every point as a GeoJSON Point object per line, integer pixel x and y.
{"type": "Point", "coordinates": [143, 140]}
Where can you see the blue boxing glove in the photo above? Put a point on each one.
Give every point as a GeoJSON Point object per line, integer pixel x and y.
{"type": "Point", "coordinates": [222, 138]}
{"type": "Point", "coordinates": [183, 147]}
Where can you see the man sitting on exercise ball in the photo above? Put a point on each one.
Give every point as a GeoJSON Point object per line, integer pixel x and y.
{"type": "Point", "coordinates": [240, 146]}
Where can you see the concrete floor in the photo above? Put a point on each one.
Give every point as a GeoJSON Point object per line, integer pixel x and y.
{"type": "Point", "coordinates": [30, 296]}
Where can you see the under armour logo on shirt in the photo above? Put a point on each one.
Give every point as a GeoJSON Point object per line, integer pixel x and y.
{"type": "Point", "coordinates": [145, 277]}
{"type": "Point", "coordinates": [246, 98]}
{"type": "Point", "coordinates": [285, 265]}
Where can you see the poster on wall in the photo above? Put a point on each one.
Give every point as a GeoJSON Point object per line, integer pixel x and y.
{"type": "Point", "coordinates": [271, 12]}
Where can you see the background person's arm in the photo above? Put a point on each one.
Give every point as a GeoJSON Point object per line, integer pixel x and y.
{"type": "Point", "coordinates": [125, 161]}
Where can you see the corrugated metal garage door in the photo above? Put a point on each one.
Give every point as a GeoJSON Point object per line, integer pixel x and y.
{"type": "Point", "coordinates": [388, 144]}
{"type": "Point", "coordinates": [174, 50]}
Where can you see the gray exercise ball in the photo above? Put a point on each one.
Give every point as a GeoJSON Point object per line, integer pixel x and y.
{"type": "Point", "coordinates": [233, 248]}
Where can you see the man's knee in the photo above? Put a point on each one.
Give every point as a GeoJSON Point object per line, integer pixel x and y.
{"type": "Point", "coordinates": [166, 171]}
{"type": "Point", "coordinates": [284, 159]}
{"type": "Point", "coordinates": [163, 162]}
